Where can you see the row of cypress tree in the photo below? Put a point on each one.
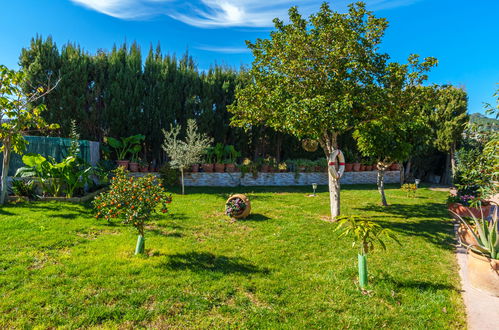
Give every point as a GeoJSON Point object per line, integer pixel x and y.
{"type": "Point", "coordinates": [117, 93]}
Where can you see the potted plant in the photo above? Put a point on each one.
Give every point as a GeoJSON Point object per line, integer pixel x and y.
{"type": "Point", "coordinates": [238, 206]}
{"type": "Point", "coordinates": [143, 166]}
{"type": "Point", "coordinates": [219, 151]}
{"type": "Point", "coordinates": [134, 163]}
{"type": "Point", "coordinates": [208, 165]}
{"type": "Point", "coordinates": [366, 235]}
{"type": "Point", "coordinates": [468, 205]}
{"type": "Point", "coordinates": [132, 200]}
{"type": "Point", "coordinates": [125, 146]}
{"type": "Point", "coordinates": [483, 254]}
{"type": "Point", "coordinates": [395, 167]}
{"type": "Point", "coordinates": [282, 167]}
{"type": "Point", "coordinates": [230, 162]}
{"type": "Point", "coordinates": [195, 168]}
{"type": "Point", "coordinates": [348, 160]}
{"type": "Point", "coordinates": [356, 164]}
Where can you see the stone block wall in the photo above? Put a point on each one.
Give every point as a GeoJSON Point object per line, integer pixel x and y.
{"type": "Point", "coordinates": [282, 179]}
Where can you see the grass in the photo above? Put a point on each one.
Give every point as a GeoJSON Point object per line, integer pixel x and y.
{"type": "Point", "coordinates": [281, 268]}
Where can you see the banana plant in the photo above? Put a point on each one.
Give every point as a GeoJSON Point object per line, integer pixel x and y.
{"type": "Point", "coordinates": [45, 169]}
{"type": "Point", "coordinates": [486, 235]}
{"type": "Point", "coordinates": [366, 235]}
{"type": "Point", "coordinates": [126, 145]}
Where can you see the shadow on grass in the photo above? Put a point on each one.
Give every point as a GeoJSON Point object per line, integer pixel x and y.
{"type": "Point", "coordinates": [436, 232]}
{"type": "Point", "coordinates": [410, 284]}
{"type": "Point", "coordinates": [204, 261]}
{"type": "Point", "coordinates": [160, 232]}
{"type": "Point", "coordinates": [426, 210]}
{"type": "Point", "coordinates": [255, 217]}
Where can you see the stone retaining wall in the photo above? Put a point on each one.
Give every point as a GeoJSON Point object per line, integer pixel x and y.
{"type": "Point", "coordinates": [282, 179]}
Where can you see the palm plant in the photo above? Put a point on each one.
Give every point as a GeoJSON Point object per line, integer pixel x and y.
{"type": "Point", "coordinates": [366, 235]}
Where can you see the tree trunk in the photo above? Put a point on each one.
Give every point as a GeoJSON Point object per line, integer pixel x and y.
{"type": "Point", "coordinates": [402, 175]}
{"type": "Point", "coordinates": [452, 162]}
{"type": "Point", "coordinates": [182, 179]}
{"type": "Point", "coordinates": [334, 196]}
{"type": "Point", "coordinates": [5, 171]}
{"type": "Point", "coordinates": [446, 174]}
{"type": "Point", "coordinates": [381, 184]}
{"type": "Point", "coordinates": [408, 168]}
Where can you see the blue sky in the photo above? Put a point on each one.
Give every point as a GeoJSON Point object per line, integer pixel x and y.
{"type": "Point", "coordinates": [462, 34]}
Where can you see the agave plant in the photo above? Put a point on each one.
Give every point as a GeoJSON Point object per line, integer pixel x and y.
{"type": "Point", "coordinates": [486, 235]}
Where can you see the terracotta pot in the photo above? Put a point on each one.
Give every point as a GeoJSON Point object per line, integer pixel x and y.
{"type": "Point", "coordinates": [208, 168]}
{"type": "Point", "coordinates": [362, 168]}
{"type": "Point", "coordinates": [134, 167]}
{"type": "Point", "coordinates": [123, 163]}
{"type": "Point", "coordinates": [144, 168]}
{"type": "Point", "coordinates": [369, 168]}
{"type": "Point", "coordinates": [356, 167]}
{"type": "Point", "coordinates": [195, 168]}
{"type": "Point", "coordinates": [465, 237]}
{"type": "Point", "coordinates": [265, 168]}
{"type": "Point", "coordinates": [230, 168]}
{"type": "Point", "coordinates": [302, 168]}
{"type": "Point", "coordinates": [247, 210]}
{"type": "Point", "coordinates": [318, 169]}
{"type": "Point", "coordinates": [466, 211]}
{"type": "Point", "coordinates": [348, 167]}
{"type": "Point", "coordinates": [219, 168]}
{"type": "Point", "coordinates": [483, 273]}
{"type": "Point", "coordinates": [395, 167]}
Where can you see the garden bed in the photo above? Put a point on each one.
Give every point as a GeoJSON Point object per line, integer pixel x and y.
{"type": "Point", "coordinates": [81, 199]}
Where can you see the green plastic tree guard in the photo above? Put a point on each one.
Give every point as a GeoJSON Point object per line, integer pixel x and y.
{"type": "Point", "coordinates": [139, 249]}
{"type": "Point", "coordinates": [362, 259]}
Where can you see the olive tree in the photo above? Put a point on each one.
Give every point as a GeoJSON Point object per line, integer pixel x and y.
{"type": "Point", "coordinates": [316, 78]}
{"type": "Point", "coordinates": [18, 115]}
{"type": "Point", "coordinates": [184, 153]}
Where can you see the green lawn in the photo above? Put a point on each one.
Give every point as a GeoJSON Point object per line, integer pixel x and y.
{"type": "Point", "coordinates": [281, 268]}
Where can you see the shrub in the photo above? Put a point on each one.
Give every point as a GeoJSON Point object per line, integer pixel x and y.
{"type": "Point", "coordinates": [169, 176]}
{"type": "Point", "coordinates": [24, 188]}
{"type": "Point", "coordinates": [132, 200]}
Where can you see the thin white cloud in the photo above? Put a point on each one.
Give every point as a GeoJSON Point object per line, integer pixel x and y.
{"type": "Point", "coordinates": [227, 50]}
{"type": "Point", "coordinates": [220, 13]}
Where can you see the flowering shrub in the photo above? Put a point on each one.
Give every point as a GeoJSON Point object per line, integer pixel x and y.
{"type": "Point", "coordinates": [234, 207]}
{"type": "Point", "coordinates": [410, 189]}
{"type": "Point", "coordinates": [131, 199]}
{"type": "Point", "coordinates": [465, 200]}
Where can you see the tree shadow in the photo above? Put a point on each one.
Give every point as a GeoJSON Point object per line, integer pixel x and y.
{"type": "Point", "coordinates": [427, 210]}
{"type": "Point", "coordinates": [436, 232]}
{"type": "Point", "coordinates": [411, 284]}
{"type": "Point", "coordinates": [204, 261]}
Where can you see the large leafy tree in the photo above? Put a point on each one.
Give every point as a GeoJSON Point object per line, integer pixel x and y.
{"type": "Point", "coordinates": [390, 138]}
{"type": "Point", "coordinates": [317, 78]}
{"type": "Point", "coordinates": [449, 120]}
{"type": "Point", "coordinates": [18, 116]}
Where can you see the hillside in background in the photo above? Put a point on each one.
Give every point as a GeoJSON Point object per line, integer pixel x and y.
{"type": "Point", "coordinates": [486, 122]}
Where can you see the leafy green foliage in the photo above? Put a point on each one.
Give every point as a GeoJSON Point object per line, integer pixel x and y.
{"type": "Point", "coordinates": [25, 188]}
{"type": "Point", "coordinates": [170, 177]}
{"type": "Point", "coordinates": [18, 115]}
{"type": "Point", "coordinates": [69, 175]}
{"type": "Point", "coordinates": [366, 234]}
{"type": "Point", "coordinates": [131, 199]}
{"type": "Point", "coordinates": [126, 145]}
{"type": "Point", "coordinates": [486, 235]}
